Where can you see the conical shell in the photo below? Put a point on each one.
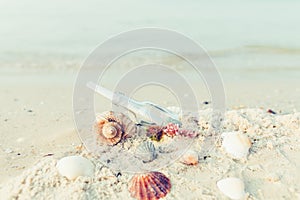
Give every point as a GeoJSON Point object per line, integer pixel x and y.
{"type": "Point", "coordinates": [233, 188]}
{"type": "Point", "coordinates": [146, 152]}
{"type": "Point", "coordinates": [190, 157]}
{"type": "Point", "coordinates": [149, 186]}
{"type": "Point", "coordinates": [236, 144]}
{"type": "Point", "coordinates": [111, 127]}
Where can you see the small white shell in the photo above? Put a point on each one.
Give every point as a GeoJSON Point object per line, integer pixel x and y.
{"type": "Point", "coordinates": [190, 157]}
{"type": "Point", "coordinates": [236, 144]}
{"type": "Point", "coordinates": [233, 188]}
{"type": "Point", "coordinates": [146, 152]}
{"type": "Point", "coordinates": [74, 166]}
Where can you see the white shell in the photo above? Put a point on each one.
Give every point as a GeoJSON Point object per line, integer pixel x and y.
{"type": "Point", "coordinates": [146, 152]}
{"type": "Point", "coordinates": [233, 188]}
{"type": "Point", "coordinates": [236, 144]}
{"type": "Point", "coordinates": [74, 166]}
{"type": "Point", "coordinates": [190, 157]}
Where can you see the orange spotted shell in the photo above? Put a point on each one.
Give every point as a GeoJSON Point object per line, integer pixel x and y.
{"type": "Point", "coordinates": [149, 186]}
{"type": "Point", "coordinates": [111, 127]}
{"type": "Point", "coordinates": [190, 158]}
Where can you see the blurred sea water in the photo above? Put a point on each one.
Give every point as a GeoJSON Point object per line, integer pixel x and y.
{"type": "Point", "coordinates": [241, 36]}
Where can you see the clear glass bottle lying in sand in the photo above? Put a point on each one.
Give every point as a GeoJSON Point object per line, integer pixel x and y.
{"type": "Point", "coordinates": [146, 111]}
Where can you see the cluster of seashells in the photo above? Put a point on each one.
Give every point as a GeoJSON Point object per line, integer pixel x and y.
{"type": "Point", "coordinates": [111, 128]}
{"type": "Point", "coordinates": [237, 146]}
{"type": "Point", "coordinates": [147, 152]}
{"type": "Point", "coordinates": [150, 185]}
{"type": "Point", "coordinates": [156, 133]}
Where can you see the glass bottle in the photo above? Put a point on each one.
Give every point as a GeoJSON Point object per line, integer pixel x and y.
{"type": "Point", "coordinates": [148, 111]}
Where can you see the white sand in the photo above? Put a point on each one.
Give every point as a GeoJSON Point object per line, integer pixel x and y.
{"type": "Point", "coordinates": [36, 120]}
{"type": "Point", "coordinates": [270, 172]}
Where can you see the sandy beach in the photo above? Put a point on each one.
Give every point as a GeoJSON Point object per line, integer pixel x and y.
{"type": "Point", "coordinates": [254, 47]}
{"type": "Point", "coordinates": [37, 130]}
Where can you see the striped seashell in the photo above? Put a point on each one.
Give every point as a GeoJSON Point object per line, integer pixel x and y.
{"type": "Point", "coordinates": [146, 152]}
{"type": "Point", "coordinates": [111, 127]}
{"type": "Point", "coordinates": [149, 186]}
{"type": "Point", "coordinates": [167, 148]}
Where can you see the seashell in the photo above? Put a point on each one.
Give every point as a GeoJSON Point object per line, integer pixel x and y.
{"type": "Point", "coordinates": [155, 132]}
{"type": "Point", "coordinates": [236, 144]}
{"type": "Point", "coordinates": [188, 133]}
{"type": "Point", "coordinates": [74, 166]}
{"type": "Point", "coordinates": [169, 148]}
{"type": "Point", "coordinates": [146, 152]}
{"type": "Point", "coordinates": [150, 186]}
{"type": "Point", "coordinates": [111, 127]}
{"type": "Point", "coordinates": [129, 126]}
{"type": "Point", "coordinates": [171, 130]}
{"type": "Point", "coordinates": [190, 157]}
{"type": "Point", "coordinates": [232, 188]}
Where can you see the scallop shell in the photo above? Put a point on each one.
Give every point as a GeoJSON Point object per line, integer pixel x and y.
{"type": "Point", "coordinates": [111, 127]}
{"type": "Point", "coordinates": [236, 144]}
{"type": "Point", "coordinates": [233, 188]}
{"type": "Point", "coordinates": [146, 152]}
{"type": "Point", "coordinates": [190, 157]}
{"type": "Point", "coordinates": [74, 166]}
{"type": "Point", "coordinates": [168, 148]}
{"type": "Point", "coordinates": [150, 186]}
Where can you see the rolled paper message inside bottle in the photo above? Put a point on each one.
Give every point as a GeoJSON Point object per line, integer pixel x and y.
{"type": "Point", "coordinates": [148, 111]}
